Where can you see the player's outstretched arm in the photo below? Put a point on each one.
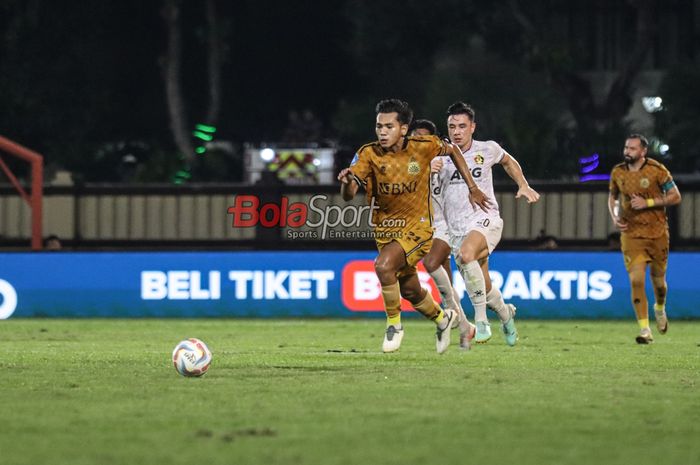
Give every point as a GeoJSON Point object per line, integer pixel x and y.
{"type": "Point", "coordinates": [515, 171]}
{"type": "Point", "coordinates": [348, 184]}
{"type": "Point", "coordinates": [476, 196]}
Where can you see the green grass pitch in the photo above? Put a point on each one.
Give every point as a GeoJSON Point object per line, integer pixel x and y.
{"type": "Point", "coordinates": [320, 392]}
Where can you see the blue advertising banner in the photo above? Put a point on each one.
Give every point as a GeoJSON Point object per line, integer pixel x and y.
{"type": "Point", "coordinates": [329, 284]}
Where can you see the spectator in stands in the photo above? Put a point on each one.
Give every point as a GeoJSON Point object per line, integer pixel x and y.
{"type": "Point", "coordinates": [546, 241]}
{"type": "Point", "coordinates": [614, 241]}
{"type": "Point", "coordinates": [52, 242]}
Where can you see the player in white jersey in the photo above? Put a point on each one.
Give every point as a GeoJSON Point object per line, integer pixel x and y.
{"type": "Point", "coordinates": [437, 260]}
{"type": "Point", "coordinates": [474, 232]}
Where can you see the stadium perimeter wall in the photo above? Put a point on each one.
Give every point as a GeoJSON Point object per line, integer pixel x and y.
{"type": "Point", "coordinates": [196, 216]}
{"type": "Point", "coordinates": [308, 284]}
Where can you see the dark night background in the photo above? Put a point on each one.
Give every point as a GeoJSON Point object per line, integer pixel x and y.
{"type": "Point", "coordinates": [83, 82]}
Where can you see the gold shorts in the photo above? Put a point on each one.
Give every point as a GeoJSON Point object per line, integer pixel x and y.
{"type": "Point", "coordinates": [415, 244]}
{"type": "Point", "coordinates": [637, 250]}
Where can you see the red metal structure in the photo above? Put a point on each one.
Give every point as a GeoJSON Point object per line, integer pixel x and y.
{"type": "Point", "coordinates": [34, 200]}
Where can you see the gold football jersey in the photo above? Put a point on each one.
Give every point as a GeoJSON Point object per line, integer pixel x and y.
{"type": "Point", "coordinates": [651, 180]}
{"type": "Point", "coordinates": [399, 182]}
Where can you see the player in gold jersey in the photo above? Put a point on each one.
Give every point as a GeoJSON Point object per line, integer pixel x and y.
{"type": "Point", "coordinates": [399, 169]}
{"type": "Point", "coordinates": [644, 187]}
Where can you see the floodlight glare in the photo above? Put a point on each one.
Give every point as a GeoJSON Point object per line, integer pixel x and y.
{"type": "Point", "coordinates": [652, 104]}
{"type": "Point", "coordinates": [267, 154]}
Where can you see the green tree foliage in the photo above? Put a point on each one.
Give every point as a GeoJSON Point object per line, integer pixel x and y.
{"type": "Point", "coordinates": [69, 83]}
{"type": "Point", "coordinates": [525, 66]}
{"type": "Point", "coordinates": [433, 55]}
{"type": "Point", "coordinates": [559, 40]}
{"type": "Point", "coordinates": [677, 124]}
{"type": "Point", "coordinates": [513, 105]}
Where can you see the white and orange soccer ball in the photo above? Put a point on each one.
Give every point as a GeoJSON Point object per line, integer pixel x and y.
{"type": "Point", "coordinates": [191, 357]}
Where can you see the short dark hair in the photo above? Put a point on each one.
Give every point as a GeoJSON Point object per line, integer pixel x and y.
{"type": "Point", "coordinates": [461, 108]}
{"type": "Point", "coordinates": [394, 105]}
{"type": "Point", "coordinates": [642, 139]}
{"type": "Point", "coordinates": [424, 124]}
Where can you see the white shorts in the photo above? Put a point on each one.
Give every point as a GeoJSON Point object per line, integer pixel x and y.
{"type": "Point", "coordinates": [441, 232]}
{"type": "Point", "coordinates": [490, 228]}
{"type": "Point", "coordinates": [440, 229]}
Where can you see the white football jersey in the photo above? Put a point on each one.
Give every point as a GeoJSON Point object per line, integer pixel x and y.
{"type": "Point", "coordinates": [458, 213]}
{"type": "Point", "coordinates": [439, 224]}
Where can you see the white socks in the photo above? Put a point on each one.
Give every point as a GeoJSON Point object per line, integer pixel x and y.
{"type": "Point", "coordinates": [476, 288]}
{"type": "Point", "coordinates": [442, 280]}
{"type": "Point", "coordinates": [494, 300]}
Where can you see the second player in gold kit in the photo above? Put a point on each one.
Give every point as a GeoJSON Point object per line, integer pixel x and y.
{"type": "Point", "coordinates": [642, 188]}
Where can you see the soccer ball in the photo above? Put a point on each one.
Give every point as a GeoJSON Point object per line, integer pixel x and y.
{"type": "Point", "coordinates": [191, 357]}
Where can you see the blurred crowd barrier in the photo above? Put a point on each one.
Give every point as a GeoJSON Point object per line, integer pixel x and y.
{"type": "Point", "coordinates": [153, 216]}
